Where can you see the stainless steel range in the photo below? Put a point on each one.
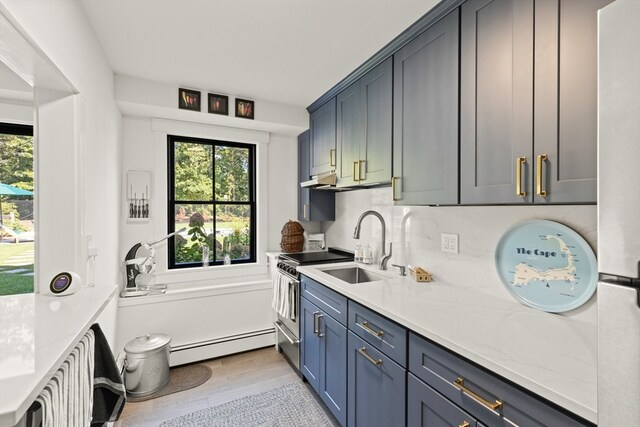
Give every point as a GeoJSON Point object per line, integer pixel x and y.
{"type": "Point", "coordinates": [288, 327]}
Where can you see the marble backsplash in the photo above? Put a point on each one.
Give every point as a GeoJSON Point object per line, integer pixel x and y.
{"type": "Point", "coordinates": [415, 234]}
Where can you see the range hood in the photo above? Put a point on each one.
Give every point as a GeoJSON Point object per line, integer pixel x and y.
{"type": "Point", "coordinates": [326, 181]}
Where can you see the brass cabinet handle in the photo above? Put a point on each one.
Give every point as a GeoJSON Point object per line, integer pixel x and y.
{"type": "Point", "coordinates": [459, 384]}
{"type": "Point", "coordinates": [366, 327]}
{"type": "Point", "coordinates": [519, 162]}
{"type": "Point", "coordinates": [363, 351]}
{"type": "Point", "coordinates": [305, 213]}
{"type": "Point", "coordinates": [332, 160]}
{"type": "Point", "coordinates": [539, 190]}
{"type": "Point", "coordinates": [360, 178]}
{"type": "Point", "coordinates": [356, 176]}
{"type": "Point", "coordinates": [464, 424]}
{"type": "Point", "coordinates": [394, 185]}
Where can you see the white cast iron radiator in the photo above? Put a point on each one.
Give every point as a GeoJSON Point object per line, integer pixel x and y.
{"type": "Point", "coordinates": [67, 400]}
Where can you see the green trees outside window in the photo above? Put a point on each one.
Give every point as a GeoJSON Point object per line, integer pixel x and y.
{"type": "Point", "coordinates": [212, 195]}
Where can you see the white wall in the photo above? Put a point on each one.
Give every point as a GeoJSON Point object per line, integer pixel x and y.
{"type": "Point", "coordinates": [61, 30]}
{"type": "Point", "coordinates": [16, 112]}
{"type": "Point", "coordinates": [415, 233]}
{"type": "Point", "coordinates": [237, 300]}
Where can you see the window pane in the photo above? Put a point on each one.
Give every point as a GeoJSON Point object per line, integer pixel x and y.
{"type": "Point", "coordinates": [193, 171]}
{"type": "Point", "coordinates": [17, 230]}
{"type": "Point", "coordinates": [190, 245]}
{"type": "Point", "coordinates": [233, 231]}
{"type": "Point", "coordinates": [232, 174]}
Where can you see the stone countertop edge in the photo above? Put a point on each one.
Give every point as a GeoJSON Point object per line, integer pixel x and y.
{"type": "Point", "coordinates": [54, 326]}
{"type": "Point", "coordinates": [492, 332]}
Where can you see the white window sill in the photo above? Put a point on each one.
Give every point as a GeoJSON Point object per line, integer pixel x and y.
{"type": "Point", "coordinates": [221, 274]}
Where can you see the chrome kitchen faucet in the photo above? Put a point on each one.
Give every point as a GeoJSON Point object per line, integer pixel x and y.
{"type": "Point", "coordinates": [356, 235]}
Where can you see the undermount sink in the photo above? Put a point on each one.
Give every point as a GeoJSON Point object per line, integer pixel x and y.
{"type": "Point", "coordinates": [354, 275]}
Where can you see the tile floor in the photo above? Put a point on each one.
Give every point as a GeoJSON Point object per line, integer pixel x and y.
{"type": "Point", "coordinates": [232, 377]}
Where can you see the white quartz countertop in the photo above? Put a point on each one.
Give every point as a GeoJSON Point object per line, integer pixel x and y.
{"type": "Point", "coordinates": [37, 333]}
{"type": "Point", "coordinates": [551, 355]}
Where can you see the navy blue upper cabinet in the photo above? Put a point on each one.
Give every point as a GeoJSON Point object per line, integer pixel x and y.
{"type": "Point", "coordinates": [313, 205]}
{"type": "Point", "coordinates": [364, 127]}
{"type": "Point", "coordinates": [425, 125]}
{"type": "Point", "coordinates": [522, 142]}
{"type": "Point", "coordinates": [496, 111]}
{"type": "Point", "coordinates": [322, 124]}
{"type": "Point", "coordinates": [565, 112]}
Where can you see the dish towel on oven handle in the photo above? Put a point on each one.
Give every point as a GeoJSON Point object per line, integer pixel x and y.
{"type": "Point", "coordinates": [283, 300]}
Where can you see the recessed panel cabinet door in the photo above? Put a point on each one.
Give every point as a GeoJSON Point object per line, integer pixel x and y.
{"type": "Point", "coordinates": [565, 130]}
{"type": "Point", "coordinates": [375, 153]}
{"type": "Point", "coordinates": [303, 175]}
{"type": "Point", "coordinates": [333, 366]}
{"type": "Point", "coordinates": [496, 111]}
{"type": "Point", "coordinates": [322, 123]}
{"type": "Point", "coordinates": [310, 344]}
{"type": "Point", "coordinates": [350, 134]}
{"type": "Point", "coordinates": [425, 125]}
{"type": "Point", "coordinates": [376, 386]}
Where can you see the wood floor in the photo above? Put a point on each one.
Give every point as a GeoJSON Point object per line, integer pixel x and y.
{"type": "Point", "coordinates": [232, 377]}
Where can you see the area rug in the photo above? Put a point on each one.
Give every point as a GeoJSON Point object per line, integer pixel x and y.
{"type": "Point", "coordinates": [180, 379]}
{"type": "Point", "coordinates": [291, 405]}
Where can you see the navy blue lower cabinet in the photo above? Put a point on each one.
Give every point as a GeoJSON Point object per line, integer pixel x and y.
{"type": "Point", "coordinates": [310, 344]}
{"type": "Point", "coordinates": [428, 408]}
{"type": "Point", "coordinates": [376, 387]}
{"type": "Point", "coordinates": [333, 366]}
{"type": "Point", "coordinates": [324, 357]}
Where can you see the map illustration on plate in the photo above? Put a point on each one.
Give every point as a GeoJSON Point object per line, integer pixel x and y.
{"type": "Point", "coordinates": [547, 266]}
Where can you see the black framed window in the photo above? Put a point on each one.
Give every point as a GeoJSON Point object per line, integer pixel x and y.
{"type": "Point", "coordinates": [212, 195]}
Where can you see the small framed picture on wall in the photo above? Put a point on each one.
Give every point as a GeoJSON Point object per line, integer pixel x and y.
{"type": "Point", "coordinates": [188, 99]}
{"type": "Point", "coordinates": [244, 108]}
{"type": "Point", "coordinates": [218, 104]}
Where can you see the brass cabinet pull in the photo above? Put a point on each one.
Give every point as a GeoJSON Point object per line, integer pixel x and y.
{"type": "Point", "coordinates": [332, 159]}
{"type": "Point", "coordinates": [305, 213]}
{"type": "Point", "coordinates": [356, 176]}
{"type": "Point", "coordinates": [360, 178]}
{"type": "Point", "coordinates": [464, 424]}
{"type": "Point", "coordinates": [394, 185]}
{"type": "Point", "coordinates": [366, 327]}
{"type": "Point", "coordinates": [539, 190]}
{"type": "Point", "coordinates": [459, 384]}
{"type": "Point", "coordinates": [519, 162]}
{"type": "Point", "coordinates": [363, 351]}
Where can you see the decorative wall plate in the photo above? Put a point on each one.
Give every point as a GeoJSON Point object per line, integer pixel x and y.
{"type": "Point", "coordinates": [546, 265]}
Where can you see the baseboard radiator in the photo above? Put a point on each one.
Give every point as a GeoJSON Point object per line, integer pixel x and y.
{"type": "Point", "coordinates": [67, 399]}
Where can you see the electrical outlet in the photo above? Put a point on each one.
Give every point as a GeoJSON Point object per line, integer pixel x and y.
{"type": "Point", "coordinates": [449, 243]}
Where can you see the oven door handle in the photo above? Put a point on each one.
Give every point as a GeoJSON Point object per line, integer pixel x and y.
{"type": "Point", "coordinates": [291, 340]}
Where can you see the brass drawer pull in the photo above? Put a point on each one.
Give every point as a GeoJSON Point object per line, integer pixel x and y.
{"type": "Point", "coordinates": [332, 159]}
{"type": "Point", "coordinates": [394, 189]}
{"type": "Point", "coordinates": [366, 327]}
{"type": "Point", "coordinates": [360, 177]}
{"type": "Point", "coordinates": [519, 162]}
{"type": "Point", "coordinates": [459, 384]}
{"type": "Point", "coordinates": [363, 351]}
{"type": "Point", "coordinates": [464, 424]}
{"type": "Point", "coordinates": [539, 190]}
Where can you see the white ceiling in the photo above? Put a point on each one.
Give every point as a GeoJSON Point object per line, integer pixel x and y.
{"type": "Point", "coordinates": [288, 51]}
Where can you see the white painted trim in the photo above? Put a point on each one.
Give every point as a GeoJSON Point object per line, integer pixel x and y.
{"type": "Point", "coordinates": [197, 130]}
{"type": "Point", "coordinates": [223, 348]}
{"type": "Point", "coordinates": [196, 292]}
